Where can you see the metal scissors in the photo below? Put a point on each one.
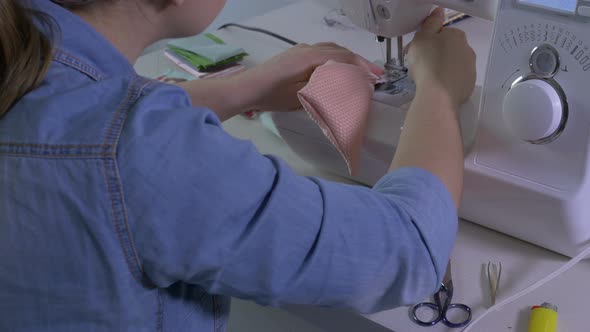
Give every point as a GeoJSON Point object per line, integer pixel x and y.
{"type": "Point", "coordinates": [441, 306]}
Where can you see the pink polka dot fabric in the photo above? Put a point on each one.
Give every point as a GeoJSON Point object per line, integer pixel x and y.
{"type": "Point", "coordinates": [338, 99]}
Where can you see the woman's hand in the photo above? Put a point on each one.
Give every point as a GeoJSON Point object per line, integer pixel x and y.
{"type": "Point", "coordinates": [441, 58]}
{"type": "Point", "coordinates": [274, 84]}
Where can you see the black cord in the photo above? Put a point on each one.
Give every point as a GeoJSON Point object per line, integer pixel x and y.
{"type": "Point", "coordinates": [292, 42]}
{"type": "Point", "coordinates": [266, 32]}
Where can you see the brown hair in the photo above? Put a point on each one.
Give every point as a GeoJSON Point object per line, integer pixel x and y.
{"type": "Point", "coordinates": [25, 51]}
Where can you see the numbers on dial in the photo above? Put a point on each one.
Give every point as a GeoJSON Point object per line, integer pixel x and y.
{"type": "Point", "coordinates": [562, 39]}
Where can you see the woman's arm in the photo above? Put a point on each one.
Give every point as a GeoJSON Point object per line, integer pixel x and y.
{"type": "Point", "coordinates": [271, 86]}
{"type": "Point", "coordinates": [443, 66]}
{"type": "Point", "coordinates": [227, 97]}
{"type": "Point", "coordinates": [207, 209]}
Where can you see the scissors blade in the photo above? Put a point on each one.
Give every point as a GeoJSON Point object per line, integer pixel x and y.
{"type": "Point", "coordinates": [448, 279]}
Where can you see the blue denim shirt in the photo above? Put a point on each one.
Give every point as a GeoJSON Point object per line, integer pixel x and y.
{"type": "Point", "coordinates": [125, 208]}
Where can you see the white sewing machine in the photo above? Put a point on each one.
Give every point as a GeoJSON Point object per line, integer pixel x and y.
{"type": "Point", "coordinates": [526, 131]}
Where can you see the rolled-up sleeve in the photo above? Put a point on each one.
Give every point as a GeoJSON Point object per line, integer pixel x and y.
{"type": "Point", "coordinates": [207, 209]}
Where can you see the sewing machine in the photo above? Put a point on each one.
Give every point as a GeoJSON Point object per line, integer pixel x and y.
{"type": "Point", "coordinates": [526, 131]}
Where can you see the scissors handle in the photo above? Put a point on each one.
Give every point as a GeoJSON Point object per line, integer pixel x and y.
{"type": "Point", "coordinates": [431, 306]}
{"type": "Point", "coordinates": [457, 306]}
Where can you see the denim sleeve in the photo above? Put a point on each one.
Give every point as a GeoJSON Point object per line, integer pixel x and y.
{"type": "Point", "coordinates": [207, 209]}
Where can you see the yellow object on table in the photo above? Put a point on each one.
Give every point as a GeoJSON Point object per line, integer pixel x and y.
{"type": "Point", "coordinates": [543, 318]}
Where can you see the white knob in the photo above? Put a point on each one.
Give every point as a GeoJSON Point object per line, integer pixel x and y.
{"type": "Point", "coordinates": [533, 110]}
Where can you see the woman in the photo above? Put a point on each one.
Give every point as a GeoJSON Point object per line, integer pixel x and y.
{"type": "Point", "coordinates": [124, 206]}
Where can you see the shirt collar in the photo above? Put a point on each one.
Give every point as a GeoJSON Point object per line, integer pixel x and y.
{"type": "Point", "coordinates": [79, 45]}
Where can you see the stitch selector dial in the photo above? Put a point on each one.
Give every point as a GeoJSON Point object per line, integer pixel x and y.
{"type": "Point", "coordinates": [535, 108]}
{"type": "Point", "coordinates": [535, 111]}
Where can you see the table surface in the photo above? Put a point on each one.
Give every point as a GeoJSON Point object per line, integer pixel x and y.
{"type": "Point", "coordinates": [523, 263]}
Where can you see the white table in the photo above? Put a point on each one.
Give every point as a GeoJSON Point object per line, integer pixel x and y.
{"type": "Point", "coordinates": [523, 263]}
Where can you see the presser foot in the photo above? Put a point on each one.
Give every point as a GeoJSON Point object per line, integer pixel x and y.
{"type": "Point", "coordinates": [394, 73]}
{"type": "Point", "coordinates": [395, 88]}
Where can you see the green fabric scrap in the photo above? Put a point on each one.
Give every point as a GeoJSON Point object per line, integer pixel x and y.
{"type": "Point", "coordinates": [203, 64]}
{"type": "Point", "coordinates": [208, 48]}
